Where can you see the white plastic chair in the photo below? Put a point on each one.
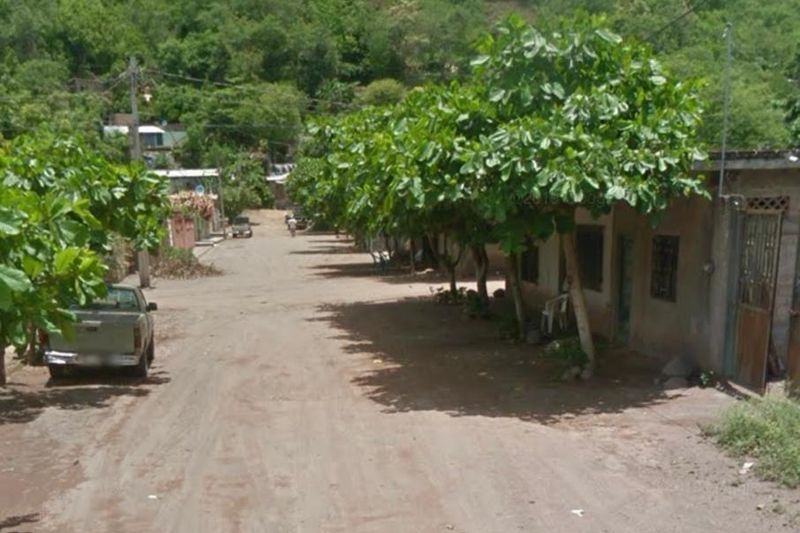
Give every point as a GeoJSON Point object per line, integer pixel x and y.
{"type": "Point", "coordinates": [555, 308]}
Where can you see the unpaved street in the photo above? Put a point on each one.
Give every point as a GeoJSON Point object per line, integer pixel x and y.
{"type": "Point", "coordinates": [301, 392]}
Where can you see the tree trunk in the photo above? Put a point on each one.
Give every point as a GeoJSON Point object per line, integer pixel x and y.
{"type": "Point", "coordinates": [2, 364]}
{"type": "Point", "coordinates": [481, 260]}
{"type": "Point", "coordinates": [412, 246]}
{"type": "Point", "coordinates": [387, 244]}
{"type": "Point", "coordinates": [32, 348]}
{"type": "Point", "coordinates": [429, 256]}
{"type": "Point", "coordinates": [578, 301]}
{"type": "Point", "coordinates": [451, 273]}
{"type": "Point", "coordinates": [512, 263]}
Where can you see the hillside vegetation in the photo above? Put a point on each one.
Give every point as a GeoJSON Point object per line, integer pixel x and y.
{"type": "Point", "coordinates": [243, 74]}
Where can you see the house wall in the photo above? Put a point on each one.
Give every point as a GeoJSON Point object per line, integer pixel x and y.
{"type": "Point", "coordinates": [599, 303]}
{"type": "Point", "coordinates": [700, 323]}
{"type": "Point", "coordinates": [658, 327]}
{"type": "Point", "coordinates": [182, 232]}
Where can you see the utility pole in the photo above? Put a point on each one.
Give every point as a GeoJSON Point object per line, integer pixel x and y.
{"type": "Point", "coordinates": [136, 155]}
{"type": "Point", "coordinates": [726, 103]}
{"type": "Point", "coordinates": [222, 204]}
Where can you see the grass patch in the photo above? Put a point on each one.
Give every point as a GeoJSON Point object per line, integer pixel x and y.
{"type": "Point", "coordinates": [768, 430]}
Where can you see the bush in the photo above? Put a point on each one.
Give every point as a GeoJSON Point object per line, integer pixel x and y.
{"type": "Point", "coordinates": [567, 350]}
{"type": "Point", "coordinates": [382, 92]}
{"type": "Point", "coordinates": [768, 430]}
{"type": "Point", "coordinates": [238, 198]}
{"type": "Point", "coordinates": [447, 297]}
{"type": "Point", "coordinates": [474, 306]}
{"type": "Point", "coordinates": [177, 263]}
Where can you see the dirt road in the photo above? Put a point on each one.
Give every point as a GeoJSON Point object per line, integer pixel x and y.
{"type": "Point", "coordinates": [300, 392]}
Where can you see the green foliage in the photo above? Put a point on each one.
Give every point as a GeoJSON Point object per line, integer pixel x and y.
{"type": "Point", "coordinates": [447, 297]}
{"type": "Point", "coordinates": [567, 350]}
{"type": "Point", "coordinates": [59, 204]}
{"type": "Point", "coordinates": [585, 119]}
{"type": "Point", "coordinates": [315, 45]}
{"type": "Point", "coordinates": [768, 430]}
{"type": "Point", "coordinates": [707, 378]}
{"type": "Point", "coordinates": [474, 306]}
{"type": "Point", "coordinates": [254, 117]}
{"type": "Point", "coordinates": [238, 198]}
{"type": "Point", "coordinates": [124, 199]}
{"type": "Point", "coordinates": [382, 92]}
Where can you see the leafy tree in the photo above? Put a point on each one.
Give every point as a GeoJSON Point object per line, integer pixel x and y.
{"type": "Point", "coordinates": [246, 117]}
{"type": "Point", "coordinates": [586, 120]}
{"type": "Point", "coordinates": [382, 92]}
{"type": "Point", "coordinates": [238, 198]}
{"type": "Point", "coordinates": [59, 204]}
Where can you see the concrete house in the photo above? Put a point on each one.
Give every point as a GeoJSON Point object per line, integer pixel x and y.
{"type": "Point", "coordinates": [714, 280]}
{"type": "Point", "coordinates": [158, 142]}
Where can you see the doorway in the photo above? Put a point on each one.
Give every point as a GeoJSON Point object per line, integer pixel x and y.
{"type": "Point", "coordinates": [625, 288]}
{"type": "Point", "coordinates": [758, 268]}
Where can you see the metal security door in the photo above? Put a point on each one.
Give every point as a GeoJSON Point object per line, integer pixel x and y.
{"type": "Point", "coordinates": [758, 267]}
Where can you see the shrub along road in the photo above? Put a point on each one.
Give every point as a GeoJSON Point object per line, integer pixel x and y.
{"type": "Point", "coordinates": [302, 392]}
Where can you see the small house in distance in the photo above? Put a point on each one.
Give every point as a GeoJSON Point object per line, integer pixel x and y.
{"type": "Point", "coordinates": [715, 280]}
{"type": "Point", "coordinates": [157, 142]}
{"type": "Point", "coordinates": [185, 184]}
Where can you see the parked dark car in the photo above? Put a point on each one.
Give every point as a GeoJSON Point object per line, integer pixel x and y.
{"type": "Point", "coordinates": [241, 227]}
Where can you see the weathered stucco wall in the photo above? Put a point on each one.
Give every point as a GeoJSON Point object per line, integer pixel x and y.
{"type": "Point", "coordinates": [659, 327]}
{"type": "Point", "coordinates": [550, 266]}
{"type": "Point", "coordinates": [700, 323]}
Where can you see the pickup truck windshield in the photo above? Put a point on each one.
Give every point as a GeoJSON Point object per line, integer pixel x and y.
{"type": "Point", "coordinates": [116, 299]}
{"type": "Point", "coordinates": [241, 220]}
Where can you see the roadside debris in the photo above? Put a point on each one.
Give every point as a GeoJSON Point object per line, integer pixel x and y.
{"type": "Point", "coordinates": [577, 512]}
{"type": "Point", "coordinates": [746, 467]}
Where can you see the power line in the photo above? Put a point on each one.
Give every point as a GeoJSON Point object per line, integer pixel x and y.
{"type": "Point", "coordinates": [677, 19]}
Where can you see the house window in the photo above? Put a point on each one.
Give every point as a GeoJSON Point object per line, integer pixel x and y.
{"type": "Point", "coordinates": [664, 274]}
{"type": "Point", "coordinates": [589, 244]}
{"type": "Point", "coordinates": [152, 140]}
{"type": "Point", "coordinates": [529, 267]}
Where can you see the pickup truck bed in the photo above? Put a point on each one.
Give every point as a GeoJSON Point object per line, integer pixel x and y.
{"type": "Point", "coordinates": [117, 332]}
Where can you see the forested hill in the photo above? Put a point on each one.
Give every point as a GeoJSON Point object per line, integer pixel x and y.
{"type": "Point", "coordinates": [61, 61]}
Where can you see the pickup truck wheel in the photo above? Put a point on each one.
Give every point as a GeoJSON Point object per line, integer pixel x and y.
{"type": "Point", "coordinates": [151, 352]}
{"type": "Point", "coordinates": [57, 371]}
{"type": "Point", "coordinates": [140, 370]}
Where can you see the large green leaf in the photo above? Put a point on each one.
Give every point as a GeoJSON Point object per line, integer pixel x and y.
{"type": "Point", "coordinates": [14, 279]}
{"type": "Point", "coordinates": [65, 259]}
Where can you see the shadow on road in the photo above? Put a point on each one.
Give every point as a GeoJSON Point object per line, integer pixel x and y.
{"type": "Point", "coordinates": [16, 521]}
{"type": "Point", "coordinates": [426, 356]}
{"type": "Point", "coordinates": [93, 390]}
{"type": "Point", "coordinates": [394, 274]}
{"type": "Point", "coordinates": [328, 250]}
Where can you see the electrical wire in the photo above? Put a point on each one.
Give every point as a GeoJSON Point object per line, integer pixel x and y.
{"type": "Point", "coordinates": [691, 9]}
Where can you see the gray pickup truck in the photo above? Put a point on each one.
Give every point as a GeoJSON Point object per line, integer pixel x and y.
{"type": "Point", "coordinates": [116, 331]}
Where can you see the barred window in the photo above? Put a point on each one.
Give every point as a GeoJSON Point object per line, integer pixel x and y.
{"type": "Point", "coordinates": [664, 267]}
